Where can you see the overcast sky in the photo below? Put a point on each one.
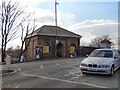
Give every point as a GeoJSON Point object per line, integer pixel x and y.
{"type": "Point", "coordinates": [89, 18]}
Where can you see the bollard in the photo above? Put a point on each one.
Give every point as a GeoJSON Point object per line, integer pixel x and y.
{"type": "Point", "coordinates": [8, 60]}
{"type": "Point", "coordinates": [22, 58]}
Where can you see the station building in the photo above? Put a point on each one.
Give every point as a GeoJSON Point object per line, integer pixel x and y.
{"type": "Point", "coordinates": [51, 42]}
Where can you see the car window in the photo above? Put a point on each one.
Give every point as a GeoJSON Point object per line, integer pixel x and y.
{"type": "Point", "coordinates": [102, 53]}
{"type": "Point", "coordinates": [116, 53]}
{"type": "Point", "coordinates": [119, 53]}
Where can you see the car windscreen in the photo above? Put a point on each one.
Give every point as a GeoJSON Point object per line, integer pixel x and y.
{"type": "Point", "coordinates": [102, 53]}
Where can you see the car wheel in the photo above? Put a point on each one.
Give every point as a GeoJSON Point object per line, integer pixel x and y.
{"type": "Point", "coordinates": [119, 68]}
{"type": "Point", "coordinates": [112, 71]}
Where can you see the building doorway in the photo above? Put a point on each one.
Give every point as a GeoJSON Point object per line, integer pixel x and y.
{"type": "Point", "coordinates": [60, 50]}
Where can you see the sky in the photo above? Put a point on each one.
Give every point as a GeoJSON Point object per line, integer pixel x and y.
{"type": "Point", "coordinates": [88, 18]}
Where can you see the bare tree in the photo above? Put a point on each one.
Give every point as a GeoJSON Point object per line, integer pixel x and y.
{"type": "Point", "coordinates": [96, 42]}
{"type": "Point", "coordinates": [9, 15]}
{"type": "Point", "coordinates": [27, 30]}
{"type": "Point", "coordinates": [17, 47]}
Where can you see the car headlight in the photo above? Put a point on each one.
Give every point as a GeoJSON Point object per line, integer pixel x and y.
{"type": "Point", "coordinates": [104, 66]}
{"type": "Point", "coordinates": [83, 64]}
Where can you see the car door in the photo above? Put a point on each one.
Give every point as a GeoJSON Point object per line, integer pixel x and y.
{"type": "Point", "coordinates": [117, 59]}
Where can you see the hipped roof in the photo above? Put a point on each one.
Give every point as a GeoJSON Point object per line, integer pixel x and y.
{"type": "Point", "coordinates": [106, 41]}
{"type": "Point", "coordinates": [53, 31]}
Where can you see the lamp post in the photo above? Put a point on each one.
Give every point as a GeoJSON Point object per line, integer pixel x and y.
{"type": "Point", "coordinates": [56, 12]}
{"type": "Point", "coordinates": [56, 27]}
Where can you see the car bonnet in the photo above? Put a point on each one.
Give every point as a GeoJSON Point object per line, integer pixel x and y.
{"type": "Point", "coordinates": [97, 60]}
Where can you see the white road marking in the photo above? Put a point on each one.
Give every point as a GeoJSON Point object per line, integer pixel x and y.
{"type": "Point", "coordinates": [41, 66]}
{"type": "Point", "coordinates": [71, 73]}
{"type": "Point", "coordinates": [76, 74]}
{"type": "Point", "coordinates": [8, 85]}
{"type": "Point", "coordinates": [19, 69]}
{"type": "Point", "coordinates": [58, 64]}
{"type": "Point", "coordinates": [65, 80]}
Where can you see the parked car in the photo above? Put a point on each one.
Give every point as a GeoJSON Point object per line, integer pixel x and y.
{"type": "Point", "coordinates": [101, 61]}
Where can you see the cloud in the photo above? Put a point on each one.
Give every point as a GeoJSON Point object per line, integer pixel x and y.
{"type": "Point", "coordinates": [43, 15]}
{"type": "Point", "coordinates": [89, 0]}
{"type": "Point", "coordinates": [30, 2]}
{"type": "Point", "coordinates": [66, 19]}
{"type": "Point", "coordinates": [47, 17]}
{"type": "Point", "coordinates": [90, 29]}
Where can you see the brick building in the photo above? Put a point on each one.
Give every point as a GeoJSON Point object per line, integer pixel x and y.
{"type": "Point", "coordinates": [51, 42]}
{"type": "Point", "coordinates": [105, 43]}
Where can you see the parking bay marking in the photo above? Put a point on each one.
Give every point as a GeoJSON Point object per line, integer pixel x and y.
{"type": "Point", "coordinates": [74, 74]}
{"type": "Point", "coordinates": [64, 80]}
{"type": "Point", "coordinates": [41, 66]}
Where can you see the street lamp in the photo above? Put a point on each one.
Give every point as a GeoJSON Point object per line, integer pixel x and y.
{"type": "Point", "coordinates": [56, 3]}
{"type": "Point", "coordinates": [56, 41]}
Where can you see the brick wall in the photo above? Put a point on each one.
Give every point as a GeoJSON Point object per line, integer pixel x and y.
{"type": "Point", "coordinates": [40, 40]}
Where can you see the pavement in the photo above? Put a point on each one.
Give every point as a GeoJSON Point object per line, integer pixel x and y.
{"type": "Point", "coordinates": [12, 71]}
{"type": "Point", "coordinates": [58, 73]}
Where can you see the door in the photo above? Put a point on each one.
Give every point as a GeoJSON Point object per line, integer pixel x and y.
{"type": "Point", "coordinates": [60, 50]}
{"type": "Point", "coordinates": [117, 59]}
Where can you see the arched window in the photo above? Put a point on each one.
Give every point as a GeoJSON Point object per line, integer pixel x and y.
{"type": "Point", "coordinates": [46, 47]}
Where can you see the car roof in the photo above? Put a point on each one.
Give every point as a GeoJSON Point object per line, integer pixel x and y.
{"type": "Point", "coordinates": [107, 49]}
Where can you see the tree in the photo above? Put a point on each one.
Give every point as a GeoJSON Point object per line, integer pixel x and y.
{"type": "Point", "coordinates": [96, 42]}
{"type": "Point", "coordinates": [17, 47]}
{"type": "Point", "coordinates": [28, 31]}
{"type": "Point", "coordinates": [10, 48]}
{"type": "Point", "coordinates": [10, 14]}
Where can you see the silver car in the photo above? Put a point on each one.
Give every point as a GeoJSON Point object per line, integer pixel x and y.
{"type": "Point", "coordinates": [101, 61]}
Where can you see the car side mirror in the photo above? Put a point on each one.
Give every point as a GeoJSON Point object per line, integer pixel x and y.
{"type": "Point", "coordinates": [116, 57]}
{"type": "Point", "coordinates": [87, 55]}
